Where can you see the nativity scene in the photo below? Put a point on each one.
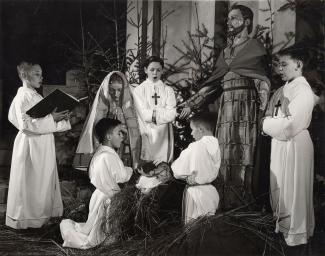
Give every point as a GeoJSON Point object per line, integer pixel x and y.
{"type": "Point", "coordinates": [205, 142]}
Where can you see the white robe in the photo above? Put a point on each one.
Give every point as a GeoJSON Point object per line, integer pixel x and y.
{"type": "Point", "coordinates": [157, 139]}
{"type": "Point", "coordinates": [292, 163]}
{"type": "Point", "coordinates": [34, 191]}
{"type": "Point", "coordinates": [105, 171]}
{"type": "Point", "coordinates": [203, 158]}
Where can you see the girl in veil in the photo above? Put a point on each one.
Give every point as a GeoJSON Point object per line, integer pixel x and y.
{"type": "Point", "coordinates": [113, 100]}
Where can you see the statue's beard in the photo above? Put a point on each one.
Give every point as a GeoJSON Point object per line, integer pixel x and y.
{"type": "Point", "coordinates": [235, 31]}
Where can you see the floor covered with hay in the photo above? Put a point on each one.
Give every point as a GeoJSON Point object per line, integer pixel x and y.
{"type": "Point", "coordinates": [47, 240]}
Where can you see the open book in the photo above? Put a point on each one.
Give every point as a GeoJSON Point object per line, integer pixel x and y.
{"type": "Point", "coordinates": [56, 99]}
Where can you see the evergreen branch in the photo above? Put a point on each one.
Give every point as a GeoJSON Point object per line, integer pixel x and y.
{"type": "Point", "coordinates": [73, 42]}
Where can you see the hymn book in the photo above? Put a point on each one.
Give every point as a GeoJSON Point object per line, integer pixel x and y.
{"type": "Point", "coordinates": [56, 99]}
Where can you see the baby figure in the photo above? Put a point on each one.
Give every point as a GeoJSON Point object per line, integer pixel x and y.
{"type": "Point", "coordinates": [152, 175]}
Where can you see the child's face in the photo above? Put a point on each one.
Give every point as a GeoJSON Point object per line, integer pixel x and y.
{"type": "Point", "coordinates": [196, 131]}
{"type": "Point", "coordinates": [154, 71]}
{"type": "Point", "coordinates": [34, 76]}
{"type": "Point", "coordinates": [116, 137]}
{"type": "Point", "coordinates": [289, 68]}
{"type": "Point", "coordinates": [115, 89]}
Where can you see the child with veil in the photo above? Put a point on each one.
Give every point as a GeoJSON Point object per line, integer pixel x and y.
{"type": "Point", "coordinates": [113, 100]}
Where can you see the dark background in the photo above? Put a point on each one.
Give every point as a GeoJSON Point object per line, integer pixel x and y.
{"type": "Point", "coordinates": [47, 32]}
{"type": "Point", "coordinates": [44, 32]}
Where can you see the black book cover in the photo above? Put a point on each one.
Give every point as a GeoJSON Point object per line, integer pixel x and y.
{"type": "Point", "coordinates": [56, 99]}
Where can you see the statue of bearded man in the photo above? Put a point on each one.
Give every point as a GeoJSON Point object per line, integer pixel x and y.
{"type": "Point", "coordinates": [240, 72]}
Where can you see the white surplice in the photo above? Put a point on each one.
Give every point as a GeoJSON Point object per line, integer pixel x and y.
{"type": "Point", "coordinates": [203, 158]}
{"type": "Point", "coordinates": [292, 161]}
{"type": "Point", "coordinates": [106, 170]}
{"type": "Point", "coordinates": [157, 139]}
{"type": "Point", "coordinates": [34, 190]}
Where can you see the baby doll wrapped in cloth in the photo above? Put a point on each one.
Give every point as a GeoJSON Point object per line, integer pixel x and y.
{"type": "Point", "coordinates": [152, 176]}
{"type": "Point", "coordinates": [152, 204]}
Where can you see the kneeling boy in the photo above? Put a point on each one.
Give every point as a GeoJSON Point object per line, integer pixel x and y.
{"type": "Point", "coordinates": [199, 165]}
{"type": "Point", "coordinates": [106, 170]}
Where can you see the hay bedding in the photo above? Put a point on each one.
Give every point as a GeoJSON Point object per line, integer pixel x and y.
{"type": "Point", "coordinates": [137, 224]}
{"type": "Point", "coordinates": [135, 215]}
{"type": "Point", "coordinates": [243, 233]}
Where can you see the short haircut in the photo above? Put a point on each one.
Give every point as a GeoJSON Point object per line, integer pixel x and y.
{"type": "Point", "coordinates": [247, 14]}
{"type": "Point", "coordinates": [153, 59]}
{"type": "Point", "coordinates": [115, 77]}
{"type": "Point", "coordinates": [24, 67]}
{"type": "Point", "coordinates": [295, 52]}
{"type": "Point", "coordinates": [104, 126]}
{"type": "Point", "coordinates": [205, 119]}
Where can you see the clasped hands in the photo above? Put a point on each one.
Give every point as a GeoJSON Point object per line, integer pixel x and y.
{"type": "Point", "coordinates": [190, 180]}
{"type": "Point", "coordinates": [62, 115]}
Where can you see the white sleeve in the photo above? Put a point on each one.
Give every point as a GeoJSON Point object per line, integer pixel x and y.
{"type": "Point", "coordinates": [17, 115]}
{"type": "Point", "coordinates": [143, 110]}
{"type": "Point", "coordinates": [285, 128]}
{"type": "Point", "coordinates": [106, 173]}
{"type": "Point", "coordinates": [274, 127]}
{"type": "Point", "coordinates": [168, 113]}
{"type": "Point", "coordinates": [185, 164]}
{"type": "Point", "coordinates": [63, 125]}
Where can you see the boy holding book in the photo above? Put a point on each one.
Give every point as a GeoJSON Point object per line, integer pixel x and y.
{"type": "Point", "coordinates": [34, 191]}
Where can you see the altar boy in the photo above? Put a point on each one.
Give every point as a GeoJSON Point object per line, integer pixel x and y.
{"type": "Point", "coordinates": [199, 165]}
{"type": "Point", "coordinates": [106, 170]}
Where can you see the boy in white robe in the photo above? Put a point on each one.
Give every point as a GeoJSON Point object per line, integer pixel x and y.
{"type": "Point", "coordinates": [292, 153]}
{"type": "Point", "coordinates": [34, 191]}
{"type": "Point", "coordinates": [155, 104]}
{"type": "Point", "coordinates": [199, 165]}
{"type": "Point", "coordinates": [106, 170]}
